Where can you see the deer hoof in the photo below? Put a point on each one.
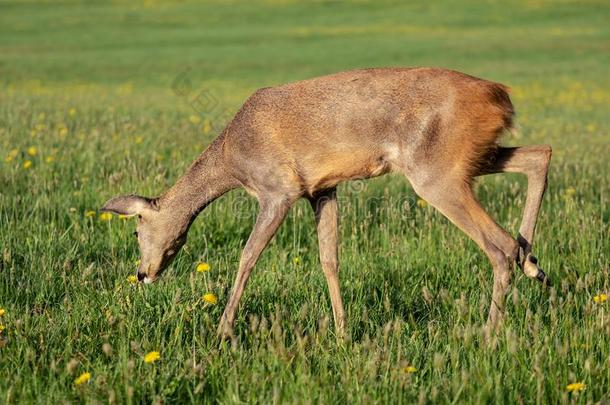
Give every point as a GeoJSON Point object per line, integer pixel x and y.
{"type": "Point", "coordinates": [530, 266]}
{"type": "Point", "coordinates": [531, 269]}
{"type": "Point", "coordinates": [543, 278]}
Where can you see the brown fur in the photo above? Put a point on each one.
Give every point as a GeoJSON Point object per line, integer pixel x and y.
{"type": "Point", "coordinates": [364, 123]}
{"type": "Point", "coordinates": [438, 127]}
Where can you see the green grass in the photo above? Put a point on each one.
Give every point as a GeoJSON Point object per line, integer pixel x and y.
{"type": "Point", "coordinates": [416, 290]}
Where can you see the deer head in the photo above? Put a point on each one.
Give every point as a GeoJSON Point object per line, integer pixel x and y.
{"type": "Point", "coordinates": [160, 235]}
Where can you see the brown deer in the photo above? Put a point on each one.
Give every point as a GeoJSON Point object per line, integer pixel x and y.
{"type": "Point", "coordinates": [438, 127]}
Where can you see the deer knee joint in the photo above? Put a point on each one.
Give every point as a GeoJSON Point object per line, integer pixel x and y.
{"type": "Point", "coordinates": [541, 163]}
{"type": "Point", "coordinates": [247, 260]}
{"type": "Point", "coordinates": [548, 152]}
{"type": "Point", "coordinates": [513, 251]}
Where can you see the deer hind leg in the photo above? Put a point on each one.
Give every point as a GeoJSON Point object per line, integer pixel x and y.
{"type": "Point", "coordinates": [533, 161]}
{"type": "Point", "coordinates": [327, 220]}
{"type": "Point", "coordinates": [271, 215]}
{"type": "Point", "coordinates": [456, 201]}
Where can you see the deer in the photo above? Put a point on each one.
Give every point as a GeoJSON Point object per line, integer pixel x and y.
{"type": "Point", "coordinates": [440, 128]}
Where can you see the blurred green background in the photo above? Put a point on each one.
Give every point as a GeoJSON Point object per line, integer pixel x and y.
{"type": "Point", "coordinates": [239, 46]}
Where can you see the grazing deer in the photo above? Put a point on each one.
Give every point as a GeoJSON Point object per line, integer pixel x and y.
{"type": "Point", "coordinates": [438, 127]}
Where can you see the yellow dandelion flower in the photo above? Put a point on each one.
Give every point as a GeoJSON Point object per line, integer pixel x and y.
{"type": "Point", "coordinates": [72, 112]}
{"type": "Point", "coordinates": [132, 279]}
{"type": "Point", "coordinates": [84, 378]}
{"type": "Point", "coordinates": [105, 216]}
{"type": "Point", "coordinates": [123, 216]}
{"type": "Point", "coordinates": [2, 312]}
{"type": "Point", "coordinates": [203, 267]}
{"type": "Point", "coordinates": [195, 119]}
{"type": "Point", "coordinates": [139, 139]}
{"type": "Point", "coordinates": [601, 298]}
{"type": "Point", "coordinates": [210, 298]}
{"type": "Point", "coordinates": [296, 260]}
{"type": "Point", "coordinates": [207, 127]}
{"type": "Point", "coordinates": [2, 327]}
{"type": "Point", "coordinates": [50, 159]}
{"type": "Point", "coordinates": [27, 164]}
{"type": "Point", "coordinates": [409, 369]}
{"type": "Point", "coordinates": [32, 151]}
{"type": "Point", "coordinates": [89, 214]}
{"type": "Point", "coordinates": [422, 203]}
{"type": "Point", "coordinates": [575, 387]}
{"type": "Point", "coordinates": [151, 357]}
{"type": "Point", "coordinates": [63, 132]}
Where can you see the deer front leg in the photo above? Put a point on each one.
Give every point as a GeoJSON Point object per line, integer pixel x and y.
{"type": "Point", "coordinates": [270, 217]}
{"type": "Point", "coordinates": [327, 219]}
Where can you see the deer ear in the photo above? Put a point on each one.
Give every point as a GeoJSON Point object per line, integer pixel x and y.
{"type": "Point", "coordinates": [128, 205]}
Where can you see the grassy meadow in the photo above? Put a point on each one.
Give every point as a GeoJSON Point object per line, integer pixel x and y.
{"type": "Point", "coordinates": [99, 99]}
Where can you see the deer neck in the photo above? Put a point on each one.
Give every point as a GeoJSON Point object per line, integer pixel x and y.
{"type": "Point", "coordinates": [207, 179]}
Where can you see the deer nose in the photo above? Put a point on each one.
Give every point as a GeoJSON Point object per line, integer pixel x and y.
{"type": "Point", "coordinates": [141, 276]}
